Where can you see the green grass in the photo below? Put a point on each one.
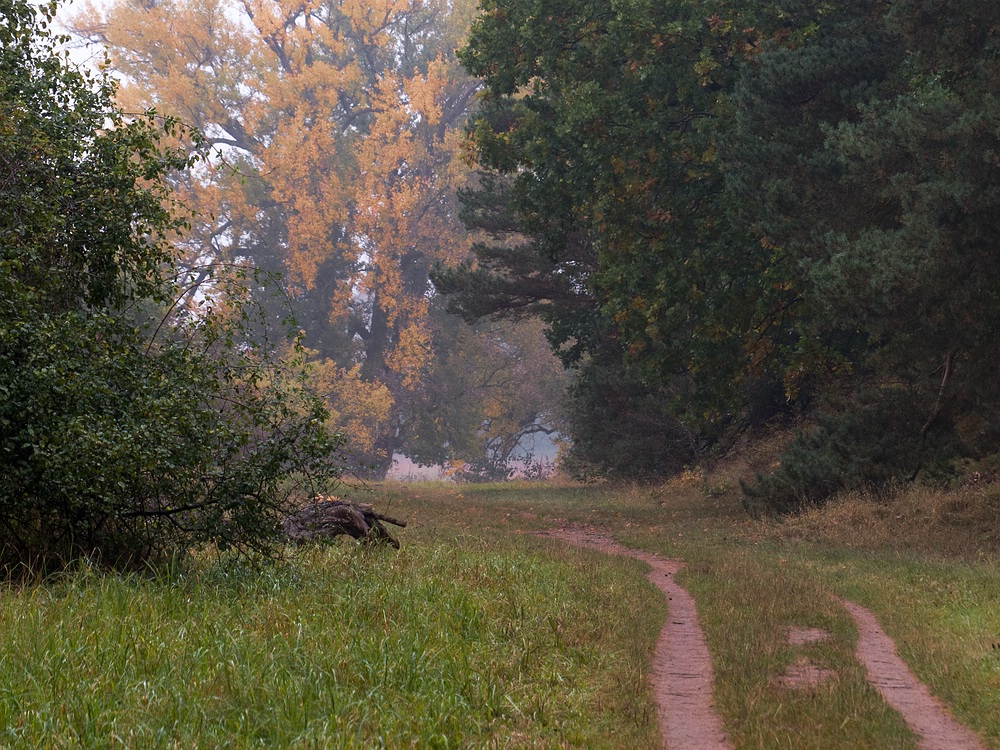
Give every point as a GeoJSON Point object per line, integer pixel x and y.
{"type": "Point", "coordinates": [754, 580]}
{"type": "Point", "coordinates": [481, 634]}
{"type": "Point", "coordinates": [476, 644]}
{"type": "Point", "coordinates": [747, 607]}
{"type": "Point", "coordinates": [944, 616]}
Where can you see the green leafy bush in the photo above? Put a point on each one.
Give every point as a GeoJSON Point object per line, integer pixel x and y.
{"type": "Point", "coordinates": [130, 426]}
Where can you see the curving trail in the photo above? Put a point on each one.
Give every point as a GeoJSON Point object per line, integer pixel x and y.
{"type": "Point", "coordinates": [682, 666]}
{"type": "Point", "coordinates": [934, 726]}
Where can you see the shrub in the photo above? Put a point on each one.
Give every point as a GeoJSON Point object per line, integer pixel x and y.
{"type": "Point", "coordinates": [877, 441]}
{"type": "Point", "coordinates": [127, 429]}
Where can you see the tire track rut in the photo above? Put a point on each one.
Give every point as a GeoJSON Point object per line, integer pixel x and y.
{"type": "Point", "coordinates": [682, 666]}
{"type": "Point", "coordinates": [935, 728]}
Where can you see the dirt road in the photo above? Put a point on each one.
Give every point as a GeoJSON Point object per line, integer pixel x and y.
{"type": "Point", "coordinates": [682, 666]}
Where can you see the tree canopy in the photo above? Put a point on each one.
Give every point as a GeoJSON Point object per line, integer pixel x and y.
{"type": "Point", "coordinates": [882, 204]}
{"type": "Point", "coordinates": [723, 212]}
{"type": "Point", "coordinates": [752, 209]}
{"type": "Point", "coordinates": [599, 135]}
{"type": "Point", "coordinates": [344, 122]}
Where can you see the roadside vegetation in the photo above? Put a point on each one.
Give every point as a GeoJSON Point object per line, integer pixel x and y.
{"type": "Point", "coordinates": [478, 642]}
{"type": "Point", "coordinates": [924, 561]}
{"type": "Point", "coordinates": [479, 633]}
{"type": "Point", "coordinates": [147, 404]}
{"type": "Point", "coordinates": [155, 422]}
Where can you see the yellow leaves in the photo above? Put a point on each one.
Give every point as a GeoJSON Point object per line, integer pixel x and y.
{"type": "Point", "coordinates": [190, 58]}
{"type": "Point", "coordinates": [361, 410]}
{"type": "Point", "coordinates": [423, 92]}
{"type": "Point", "coordinates": [411, 354]}
{"type": "Point", "coordinates": [302, 165]}
{"type": "Point", "coordinates": [349, 161]}
{"type": "Point", "coordinates": [373, 17]}
{"type": "Point", "coordinates": [405, 172]}
{"type": "Point", "coordinates": [267, 16]}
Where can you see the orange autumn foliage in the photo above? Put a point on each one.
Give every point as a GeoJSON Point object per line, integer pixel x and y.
{"type": "Point", "coordinates": [339, 129]}
{"type": "Point", "coordinates": [361, 411]}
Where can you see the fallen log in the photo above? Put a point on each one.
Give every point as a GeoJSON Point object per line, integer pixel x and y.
{"type": "Point", "coordinates": [326, 518]}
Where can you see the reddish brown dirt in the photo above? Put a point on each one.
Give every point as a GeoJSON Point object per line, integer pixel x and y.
{"type": "Point", "coordinates": [802, 636]}
{"type": "Point", "coordinates": [932, 723]}
{"type": "Point", "coordinates": [682, 666]}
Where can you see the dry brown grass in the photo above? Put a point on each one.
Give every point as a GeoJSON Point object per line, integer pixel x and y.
{"type": "Point", "coordinates": [952, 524]}
{"type": "Point", "coordinates": [752, 455]}
{"type": "Point", "coordinates": [959, 523]}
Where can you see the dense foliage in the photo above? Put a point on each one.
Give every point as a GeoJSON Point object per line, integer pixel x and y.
{"type": "Point", "coordinates": [883, 205]}
{"type": "Point", "coordinates": [751, 209]}
{"type": "Point", "coordinates": [134, 420]}
{"type": "Point", "coordinates": [345, 120]}
{"type": "Point", "coordinates": [599, 133]}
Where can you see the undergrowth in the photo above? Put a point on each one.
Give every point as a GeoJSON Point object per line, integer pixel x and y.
{"type": "Point", "coordinates": [481, 634]}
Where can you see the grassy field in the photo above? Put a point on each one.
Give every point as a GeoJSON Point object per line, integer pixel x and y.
{"type": "Point", "coordinates": [472, 641]}
{"type": "Point", "coordinates": [480, 634]}
{"type": "Point", "coordinates": [925, 563]}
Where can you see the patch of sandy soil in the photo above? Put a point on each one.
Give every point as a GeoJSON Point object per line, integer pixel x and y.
{"type": "Point", "coordinates": [927, 717]}
{"type": "Point", "coordinates": [798, 636]}
{"type": "Point", "coordinates": [802, 674]}
{"type": "Point", "coordinates": [682, 666]}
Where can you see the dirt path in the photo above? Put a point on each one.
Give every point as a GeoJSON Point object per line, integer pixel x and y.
{"type": "Point", "coordinates": [682, 666]}
{"type": "Point", "coordinates": [935, 727]}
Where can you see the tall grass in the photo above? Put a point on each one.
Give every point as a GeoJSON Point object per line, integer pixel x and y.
{"type": "Point", "coordinates": [922, 562]}
{"type": "Point", "coordinates": [437, 646]}
{"type": "Point", "coordinates": [478, 634]}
